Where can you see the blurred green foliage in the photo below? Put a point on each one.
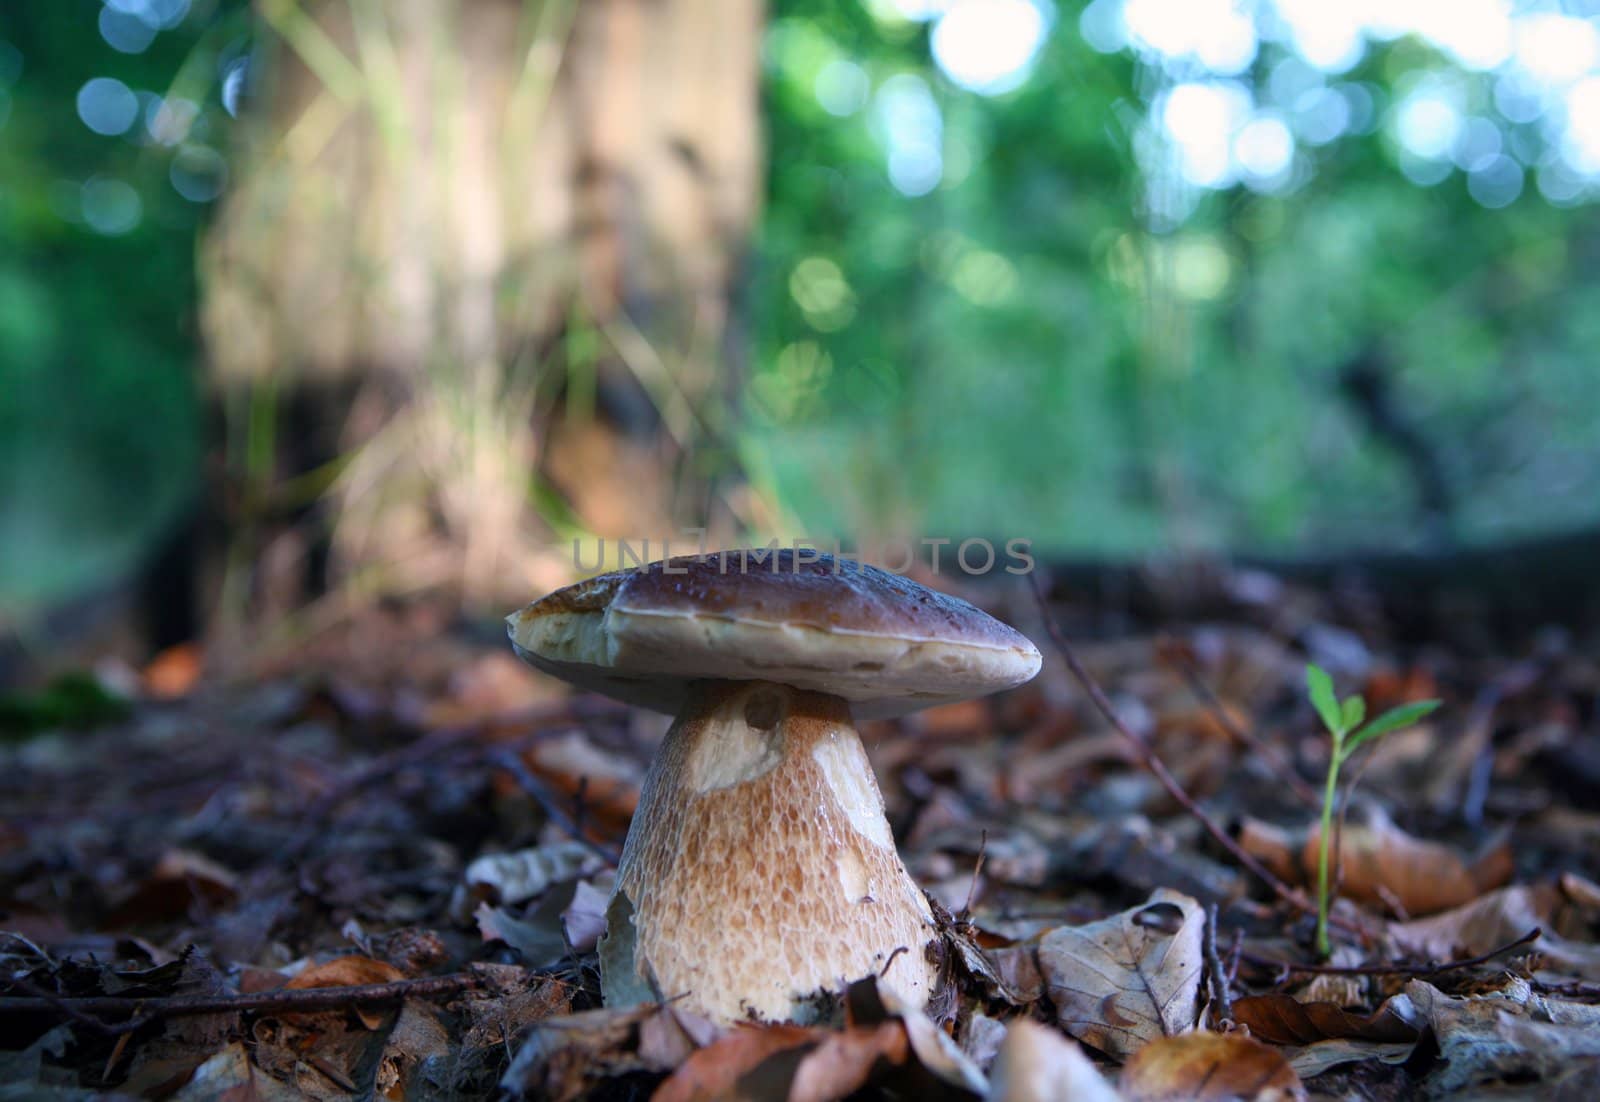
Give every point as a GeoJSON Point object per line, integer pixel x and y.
{"type": "Point", "coordinates": [1029, 348]}
{"type": "Point", "coordinates": [99, 423]}
{"type": "Point", "coordinates": [1023, 351]}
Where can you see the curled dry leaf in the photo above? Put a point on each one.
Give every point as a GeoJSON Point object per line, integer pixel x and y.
{"type": "Point", "coordinates": [1209, 1067]}
{"type": "Point", "coordinates": [1038, 1064]}
{"type": "Point", "coordinates": [417, 1037]}
{"type": "Point", "coordinates": [564, 1058]}
{"type": "Point", "coordinates": [1282, 1020]}
{"type": "Point", "coordinates": [1382, 864]}
{"type": "Point", "coordinates": [1511, 1040]}
{"type": "Point", "coordinates": [507, 878]}
{"type": "Point", "coordinates": [1120, 983]}
{"type": "Point", "coordinates": [1495, 920]}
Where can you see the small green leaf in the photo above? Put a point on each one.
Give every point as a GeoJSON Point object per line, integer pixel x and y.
{"type": "Point", "coordinates": [1323, 698]}
{"type": "Point", "coordinates": [1355, 710]}
{"type": "Point", "coordinates": [1403, 716]}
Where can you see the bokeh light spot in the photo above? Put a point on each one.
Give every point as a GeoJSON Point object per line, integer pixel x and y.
{"type": "Point", "coordinates": [842, 87]}
{"type": "Point", "coordinates": [110, 206]}
{"type": "Point", "coordinates": [988, 46]}
{"type": "Point", "coordinates": [107, 106]}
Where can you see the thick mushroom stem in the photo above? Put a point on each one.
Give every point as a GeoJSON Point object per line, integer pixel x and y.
{"type": "Point", "coordinates": [760, 868]}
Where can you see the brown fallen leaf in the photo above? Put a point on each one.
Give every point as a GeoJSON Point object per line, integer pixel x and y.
{"type": "Point", "coordinates": [182, 881]}
{"type": "Point", "coordinates": [1495, 920]}
{"type": "Point", "coordinates": [1124, 981]}
{"type": "Point", "coordinates": [1038, 1064]}
{"type": "Point", "coordinates": [417, 1036]}
{"type": "Point", "coordinates": [347, 971]}
{"type": "Point", "coordinates": [1382, 864]}
{"type": "Point", "coordinates": [350, 971]}
{"type": "Point", "coordinates": [1209, 1067]}
{"type": "Point", "coordinates": [788, 1062]}
{"type": "Point", "coordinates": [1282, 1020]}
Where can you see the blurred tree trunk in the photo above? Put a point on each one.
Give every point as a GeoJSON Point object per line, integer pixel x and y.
{"type": "Point", "coordinates": [457, 229]}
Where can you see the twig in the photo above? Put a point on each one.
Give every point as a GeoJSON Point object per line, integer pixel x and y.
{"type": "Point", "coordinates": [85, 1009]}
{"type": "Point", "coordinates": [64, 1007]}
{"type": "Point", "coordinates": [965, 914]}
{"type": "Point", "coordinates": [1154, 764]}
{"type": "Point", "coordinates": [531, 784]}
{"type": "Point", "coordinates": [1220, 997]}
{"type": "Point", "coordinates": [1393, 969]}
{"type": "Point", "coordinates": [1239, 733]}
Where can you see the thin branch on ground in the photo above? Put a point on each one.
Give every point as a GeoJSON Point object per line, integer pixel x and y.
{"type": "Point", "coordinates": [86, 1009]}
{"type": "Point", "coordinates": [1269, 755]}
{"type": "Point", "coordinates": [1221, 999]}
{"type": "Point", "coordinates": [1393, 969]}
{"type": "Point", "coordinates": [1148, 758]}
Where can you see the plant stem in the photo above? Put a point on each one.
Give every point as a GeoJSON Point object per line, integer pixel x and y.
{"type": "Point", "coordinates": [1324, 842]}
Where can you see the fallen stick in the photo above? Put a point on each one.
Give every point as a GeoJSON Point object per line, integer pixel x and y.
{"type": "Point", "coordinates": [1392, 969]}
{"type": "Point", "coordinates": [84, 1009]}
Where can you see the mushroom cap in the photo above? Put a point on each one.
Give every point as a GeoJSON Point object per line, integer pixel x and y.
{"type": "Point", "coordinates": [879, 640]}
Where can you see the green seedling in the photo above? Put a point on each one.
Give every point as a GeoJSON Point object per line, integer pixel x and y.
{"type": "Point", "coordinates": [1343, 719]}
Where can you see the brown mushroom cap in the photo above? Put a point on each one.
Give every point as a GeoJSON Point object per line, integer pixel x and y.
{"type": "Point", "coordinates": [883, 642]}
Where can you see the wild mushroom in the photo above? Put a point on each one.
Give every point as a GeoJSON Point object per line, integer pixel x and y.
{"type": "Point", "coordinates": [760, 867]}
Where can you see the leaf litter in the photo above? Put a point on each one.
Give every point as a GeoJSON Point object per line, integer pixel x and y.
{"type": "Point", "coordinates": [387, 881]}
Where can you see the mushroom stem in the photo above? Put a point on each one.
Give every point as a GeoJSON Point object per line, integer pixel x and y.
{"type": "Point", "coordinates": [760, 868]}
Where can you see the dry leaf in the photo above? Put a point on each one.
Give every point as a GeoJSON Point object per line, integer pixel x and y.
{"type": "Point", "coordinates": [417, 1036]}
{"type": "Point", "coordinates": [562, 1058]}
{"type": "Point", "coordinates": [508, 878]}
{"type": "Point", "coordinates": [1346, 991]}
{"type": "Point", "coordinates": [608, 782]}
{"type": "Point", "coordinates": [1495, 920]}
{"type": "Point", "coordinates": [539, 943]}
{"type": "Point", "coordinates": [940, 1056]}
{"type": "Point", "coordinates": [1382, 864]}
{"type": "Point", "coordinates": [1209, 1067]}
{"type": "Point", "coordinates": [1120, 983]}
{"type": "Point", "coordinates": [791, 1062]}
{"type": "Point", "coordinates": [1281, 1020]}
{"type": "Point", "coordinates": [1313, 1060]}
{"type": "Point", "coordinates": [1511, 1039]}
{"type": "Point", "coordinates": [584, 920]}
{"type": "Point", "coordinates": [229, 1075]}
{"type": "Point", "coordinates": [351, 971]}
{"type": "Point", "coordinates": [181, 882]}
{"type": "Point", "coordinates": [1038, 1064]}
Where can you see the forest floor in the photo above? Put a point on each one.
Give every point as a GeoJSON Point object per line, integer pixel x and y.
{"type": "Point", "coordinates": [376, 866]}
